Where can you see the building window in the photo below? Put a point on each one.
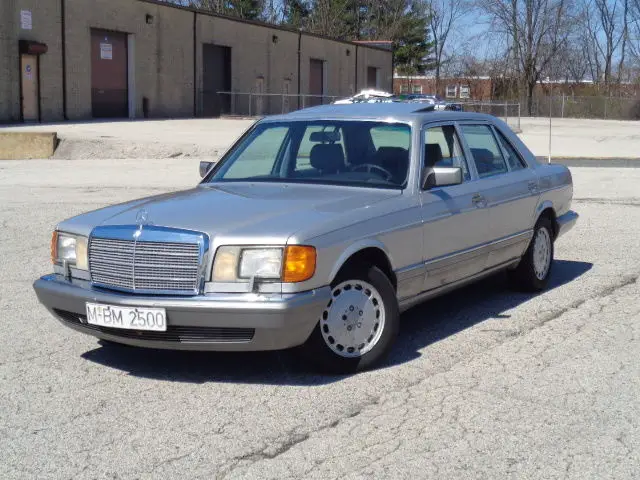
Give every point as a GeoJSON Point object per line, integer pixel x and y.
{"type": "Point", "coordinates": [417, 89]}
{"type": "Point", "coordinates": [452, 91]}
{"type": "Point", "coordinates": [404, 88]}
{"type": "Point", "coordinates": [465, 91]}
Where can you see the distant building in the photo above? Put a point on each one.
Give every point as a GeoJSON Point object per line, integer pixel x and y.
{"type": "Point", "coordinates": [82, 59]}
{"type": "Point", "coordinates": [456, 88]}
{"type": "Point", "coordinates": [485, 88]}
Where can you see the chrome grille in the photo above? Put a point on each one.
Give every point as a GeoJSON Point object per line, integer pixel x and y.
{"type": "Point", "coordinates": [142, 266]}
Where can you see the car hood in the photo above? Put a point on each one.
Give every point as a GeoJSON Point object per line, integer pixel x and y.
{"type": "Point", "coordinates": [272, 212]}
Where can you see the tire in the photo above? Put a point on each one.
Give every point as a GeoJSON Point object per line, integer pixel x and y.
{"type": "Point", "coordinates": [363, 315]}
{"type": "Point", "coordinates": [533, 272]}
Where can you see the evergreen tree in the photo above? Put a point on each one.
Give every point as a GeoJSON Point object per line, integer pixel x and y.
{"type": "Point", "coordinates": [413, 47]}
{"type": "Point", "coordinates": [296, 13]}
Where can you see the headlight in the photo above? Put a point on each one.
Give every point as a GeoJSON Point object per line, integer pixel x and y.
{"type": "Point", "coordinates": [240, 264]}
{"type": "Point", "coordinates": [69, 248]}
{"type": "Point", "coordinates": [261, 263]}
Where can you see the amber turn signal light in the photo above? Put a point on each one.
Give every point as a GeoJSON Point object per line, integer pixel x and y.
{"type": "Point", "coordinates": [54, 246]}
{"type": "Point", "coordinates": [299, 263]}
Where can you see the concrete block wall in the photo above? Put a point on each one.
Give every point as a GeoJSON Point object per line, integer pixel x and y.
{"type": "Point", "coordinates": [45, 16]}
{"type": "Point", "coordinates": [369, 57]}
{"type": "Point", "coordinates": [164, 56]}
{"type": "Point", "coordinates": [339, 67]}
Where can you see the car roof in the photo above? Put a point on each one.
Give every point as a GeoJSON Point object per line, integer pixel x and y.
{"type": "Point", "coordinates": [401, 111]}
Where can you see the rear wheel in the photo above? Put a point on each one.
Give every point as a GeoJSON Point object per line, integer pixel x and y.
{"type": "Point", "coordinates": [358, 325]}
{"type": "Point", "coordinates": [533, 271]}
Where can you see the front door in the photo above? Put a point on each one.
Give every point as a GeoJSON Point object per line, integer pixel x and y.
{"type": "Point", "coordinates": [30, 93]}
{"type": "Point", "coordinates": [456, 226]}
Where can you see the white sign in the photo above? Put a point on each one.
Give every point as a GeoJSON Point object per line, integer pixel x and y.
{"type": "Point", "coordinates": [25, 20]}
{"type": "Point", "coordinates": [106, 51]}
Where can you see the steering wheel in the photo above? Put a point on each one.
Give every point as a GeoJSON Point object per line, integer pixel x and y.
{"type": "Point", "coordinates": [372, 168]}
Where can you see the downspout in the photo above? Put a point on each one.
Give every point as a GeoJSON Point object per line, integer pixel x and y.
{"type": "Point", "coordinates": [64, 59]}
{"type": "Point", "coordinates": [356, 87]}
{"type": "Point", "coordinates": [195, 70]}
{"type": "Point", "coordinates": [299, 62]}
{"type": "Point", "coordinates": [393, 54]}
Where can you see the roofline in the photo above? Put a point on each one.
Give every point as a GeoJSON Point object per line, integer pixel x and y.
{"type": "Point", "coordinates": [258, 23]}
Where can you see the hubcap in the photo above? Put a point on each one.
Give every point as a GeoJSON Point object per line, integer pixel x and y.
{"type": "Point", "coordinates": [353, 320]}
{"type": "Point", "coordinates": [542, 253]}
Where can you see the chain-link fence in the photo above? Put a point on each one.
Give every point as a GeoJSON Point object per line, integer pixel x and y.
{"type": "Point", "coordinates": [213, 104]}
{"type": "Point", "coordinates": [509, 112]}
{"type": "Point", "coordinates": [258, 104]}
{"type": "Point", "coordinates": [596, 107]}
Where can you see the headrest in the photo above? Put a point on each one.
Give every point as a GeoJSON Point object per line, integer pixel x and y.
{"type": "Point", "coordinates": [433, 154]}
{"type": "Point", "coordinates": [482, 155]}
{"type": "Point", "coordinates": [327, 157]}
{"type": "Point", "coordinates": [483, 159]}
{"type": "Point", "coordinates": [392, 156]}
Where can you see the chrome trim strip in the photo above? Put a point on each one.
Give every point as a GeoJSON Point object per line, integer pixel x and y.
{"type": "Point", "coordinates": [407, 303]}
{"type": "Point", "coordinates": [478, 248]}
{"type": "Point", "coordinates": [416, 269]}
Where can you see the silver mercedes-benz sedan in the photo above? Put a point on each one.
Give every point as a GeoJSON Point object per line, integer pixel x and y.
{"type": "Point", "coordinates": [315, 230]}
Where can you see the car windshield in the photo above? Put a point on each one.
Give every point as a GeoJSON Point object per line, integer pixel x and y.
{"type": "Point", "coordinates": [354, 153]}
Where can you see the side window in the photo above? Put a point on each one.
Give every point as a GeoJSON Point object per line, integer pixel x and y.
{"type": "Point", "coordinates": [314, 135]}
{"type": "Point", "coordinates": [260, 156]}
{"type": "Point", "coordinates": [442, 149]}
{"type": "Point", "coordinates": [485, 150]}
{"type": "Point", "coordinates": [513, 158]}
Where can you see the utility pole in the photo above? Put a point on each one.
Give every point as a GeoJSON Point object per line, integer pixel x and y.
{"type": "Point", "coordinates": [550, 105]}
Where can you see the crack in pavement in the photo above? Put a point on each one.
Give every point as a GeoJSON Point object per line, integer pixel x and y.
{"type": "Point", "coordinates": [295, 438]}
{"type": "Point", "coordinates": [630, 202]}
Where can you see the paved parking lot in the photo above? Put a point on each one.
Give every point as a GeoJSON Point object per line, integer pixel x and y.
{"type": "Point", "coordinates": [484, 383]}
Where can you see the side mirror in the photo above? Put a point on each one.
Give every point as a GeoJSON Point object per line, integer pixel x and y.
{"type": "Point", "coordinates": [205, 167]}
{"type": "Point", "coordinates": [441, 177]}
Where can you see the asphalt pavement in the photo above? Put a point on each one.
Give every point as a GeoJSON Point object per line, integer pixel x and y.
{"type": "Point", "coordinates": [482, 383]}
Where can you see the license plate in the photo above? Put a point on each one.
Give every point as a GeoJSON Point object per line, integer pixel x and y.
{"type": "Point", "coordinates": [129, 318]}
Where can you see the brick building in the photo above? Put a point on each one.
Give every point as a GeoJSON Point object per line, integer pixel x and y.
{"type": "Point", "coordinates": [81, 59]}
{"type": "Point", "coordinates": [458, 88]}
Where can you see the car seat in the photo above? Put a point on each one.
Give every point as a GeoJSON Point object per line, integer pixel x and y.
{"type": "Point", "coordinates": [328, 158]}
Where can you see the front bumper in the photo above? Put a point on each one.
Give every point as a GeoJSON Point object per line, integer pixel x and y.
{"type": "Point", "coordinates": [222, 322]}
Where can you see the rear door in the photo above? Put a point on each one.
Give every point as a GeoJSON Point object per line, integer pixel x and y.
{"type": "Point", "coordinates": [508, 187]}
{"type": "Point", "coordinates": [456, 226]}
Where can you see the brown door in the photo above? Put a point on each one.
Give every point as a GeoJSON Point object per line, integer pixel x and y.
{"type": "Point", "coordinates": [109, 82]}
{"type": "Point", "coordinates": [30, 93]}
{"type": "Point", "coordinates": [316, 81]}
{"type": "Point", "coordinates": [372, 77]}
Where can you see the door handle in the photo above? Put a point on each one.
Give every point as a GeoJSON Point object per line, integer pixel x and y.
{"type": "Point", "coordinates": [479, 200]}
{"type": "Point", "coordinates": [533, 187]}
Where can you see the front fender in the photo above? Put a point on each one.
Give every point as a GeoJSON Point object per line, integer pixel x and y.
{"type": "Point", "coordinates": [355, 248]}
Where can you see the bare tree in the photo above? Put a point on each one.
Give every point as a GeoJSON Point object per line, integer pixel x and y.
{"type": "Point", "coordinates": [443, 16]}
{"type": "Point", "coordinates": [605, 26]}
{"type": "Point", "coordinates": [633, 25]}
{"type": "Point", "coordinates": [537, 29]}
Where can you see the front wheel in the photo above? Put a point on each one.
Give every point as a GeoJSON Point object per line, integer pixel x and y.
{"type": "Point", "coordinates": [534, 270]}
{"type": "Point", "coordinates": [358, 325]}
